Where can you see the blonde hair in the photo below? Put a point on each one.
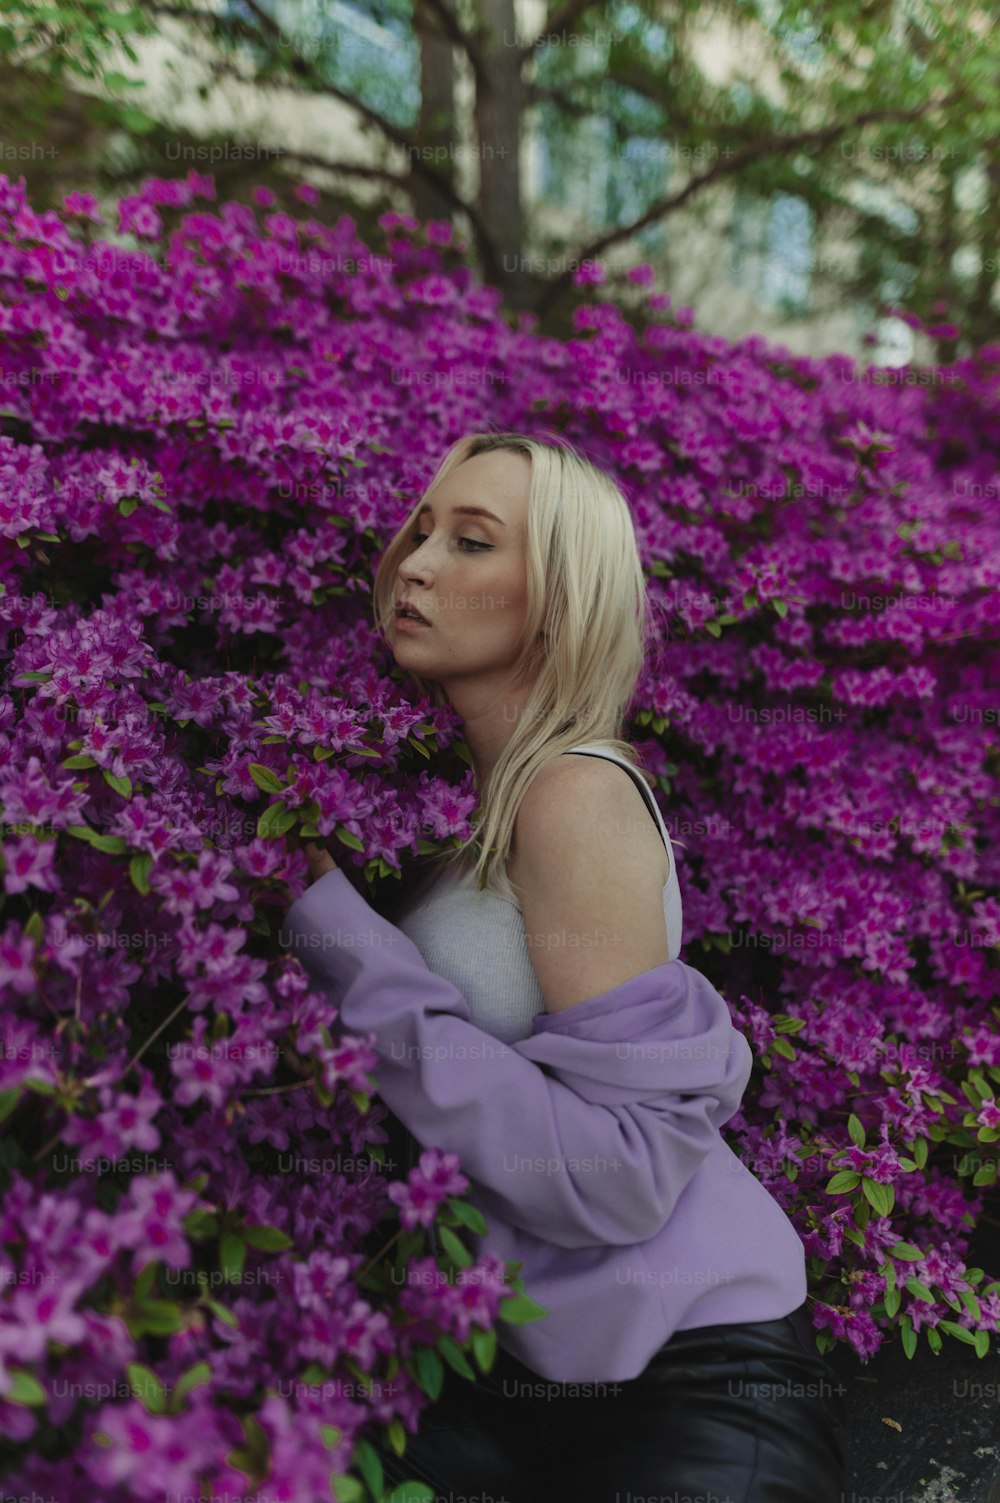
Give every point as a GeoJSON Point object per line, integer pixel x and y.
{"type": "Point", "coordinates": [587, 630]}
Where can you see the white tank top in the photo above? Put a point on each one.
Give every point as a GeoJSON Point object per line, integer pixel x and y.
{"type": "Point", "coordinates": [476, 940]}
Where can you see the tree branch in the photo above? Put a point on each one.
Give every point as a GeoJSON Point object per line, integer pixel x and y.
{"type": "Point", "coordinates": [361, 170]}
{"type": "Point", "coordinates": [735, 162]}
{"type": "Point", "coordinates": [551, 93]}
{"type": "Point", "coordinates": [451, 28]}
{"type": "Point", "coordinates": [556, 23]}
{"type": "Point", "coordinates": [303, 69]}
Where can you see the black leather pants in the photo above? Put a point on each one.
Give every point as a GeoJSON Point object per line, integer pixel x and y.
{"type": "Point", "coordinates": [748, 1413]}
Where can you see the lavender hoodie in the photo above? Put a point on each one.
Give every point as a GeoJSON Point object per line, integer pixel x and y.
{"type": "Point", "coordinates": [593, 1146]}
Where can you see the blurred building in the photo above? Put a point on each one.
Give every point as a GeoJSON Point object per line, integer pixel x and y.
{"type": "Point", "coordinates": [746, 264]}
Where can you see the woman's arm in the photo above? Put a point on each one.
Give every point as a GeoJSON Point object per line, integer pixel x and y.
{"type": "Point", "coordinates": [612, 1152]}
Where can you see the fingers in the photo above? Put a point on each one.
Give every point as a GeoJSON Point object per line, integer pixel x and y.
{"type": "Point", "coordinates": [318, 860]}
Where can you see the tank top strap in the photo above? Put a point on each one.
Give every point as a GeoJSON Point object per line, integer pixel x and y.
{"type": "Point", "coordinates": [640, 782]}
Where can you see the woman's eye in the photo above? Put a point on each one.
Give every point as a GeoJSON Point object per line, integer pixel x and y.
{"type": "Point", "coordinates": [473, 543]}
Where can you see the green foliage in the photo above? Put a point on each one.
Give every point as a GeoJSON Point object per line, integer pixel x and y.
{"type": "Point", "coordinates": [882, 122]}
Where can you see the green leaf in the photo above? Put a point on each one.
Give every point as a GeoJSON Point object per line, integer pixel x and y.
{"type": "Point", "coordinates": [200, 1223]}
{"type": "Point", "coordinates": [147, 1387]}
{"type": "Point", "coordinates": [223, 1312]}
{"type": "Point", "coordinates": [520, 1309]}
{"type": "Point", "coordinates": [122, 785]}
{"type": "Point", "coordinates": [232, 1254]}
{"type": "Point", "coordinates": [843, 1182]}
{"type": "Point", "coordinates": [882, 1198]}
{"type": "Point", "coordinates": [971, 1303]}
{"type": "Point", "coordinates": [346, 1489]}
{"type": "Point", "coordinates": [26, 1388]}
{"type": "Point", "coordinates": [905, 1250]}
{"type": "Point", "coordinates": [8, 1101]}
{"type": "Point", "coordinates": [468, 1215]}
{"type": "Point", "coordinates": [370, 1466]}
{"type": "Point", "coordinates": [138, 869]}
{"type": "Point", "coordinates": [146, 1279]}
{"type": "Point", "coordinates": [158, 1317]}
{"type": "Point", "coordinates": [908, 1335]}
{"type": "Point", "coordinates": [267, 780]}
{"type": "Point", "coordinates": [892, 1301]}
{"type": "Point", "coordinates": [455, 1358]}
{"type": "Point", "coordinates": [113, 845]}
{"type": "Point", "coordinates": [200, 1373]}
{"type": "Point", "coordinates": [276, 820]}
{"type": "Point", "coordinates": [784, 1024]}
{"type": "Point", "coordinates": [856, 1130]}
{"type": "Point", "coordinates": [344, 834]}
{"type": "Point", "coordinates": [781, 1046]}
{"type": "Point", "coordinates": [454, 1247]}
{"type": "Point", "coordinates": [80, 760]}
{"type": "Point", "coordinates": [267, 1238]}
{"type": "Point", "coordinates": [430, 1371]}
{"type": "Point", "coordinates": [484, 1347]}
{"type": "Point", "coordinates": [919, 1290]}
{"type": "Point", "coordinates": [959, 1332]}
{"type": "Point", "coordinates": [332, 1435]}
{"type": "Point", "coordinates": [397, 1435]}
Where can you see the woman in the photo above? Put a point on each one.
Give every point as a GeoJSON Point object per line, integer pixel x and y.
{"type": "Point", "coordinates": [676, 1358]}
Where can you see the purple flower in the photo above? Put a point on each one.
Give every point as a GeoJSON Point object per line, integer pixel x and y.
{"type": "Point", "coordinates": [29, 863]}
{"type": "Point", "coordinates": [433, 1179]}
{"type": "Point", "coordinates": [152, 1221]}
{"type": "Point", "coordinates": [82, 204]}
{"type": "Point", "coordinates": [217, 425]}
{"type": "Point", "coordinates": [17, 953]}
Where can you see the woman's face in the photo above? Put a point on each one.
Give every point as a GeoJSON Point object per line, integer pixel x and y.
{"type": "Point", "coordinates": [467, 575]}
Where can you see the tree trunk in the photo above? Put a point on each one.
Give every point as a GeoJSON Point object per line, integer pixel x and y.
{"type": "Point", "coordinates": [500, 104]}
{"type": "Point", "coordinates": [437, 128]}
{"type": "Point", "coordinates": [982, 321]}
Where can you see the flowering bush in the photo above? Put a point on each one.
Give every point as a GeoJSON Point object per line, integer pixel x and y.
{"type": "Point", "coordinates": [208, 434]}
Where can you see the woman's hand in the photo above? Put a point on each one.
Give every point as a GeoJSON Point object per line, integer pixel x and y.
{"type": "Point", "coordinates": [319, 860]}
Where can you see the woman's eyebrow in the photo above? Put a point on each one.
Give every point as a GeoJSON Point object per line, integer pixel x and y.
{"type": "Point", "coordinates": [465, 511]}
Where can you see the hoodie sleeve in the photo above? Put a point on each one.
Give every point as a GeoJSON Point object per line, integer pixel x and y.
{"type": "Point", "coordinates": [593, 1142]}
